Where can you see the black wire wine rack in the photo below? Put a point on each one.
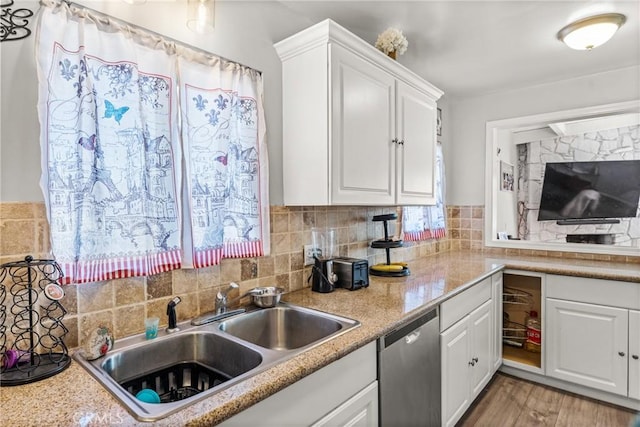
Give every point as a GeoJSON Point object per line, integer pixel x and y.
{"type": "Point", "coordinates": [31, 328]}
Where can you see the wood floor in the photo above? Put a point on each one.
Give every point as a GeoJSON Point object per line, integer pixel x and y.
{"type": "Point", "coordinates": [509, 401]}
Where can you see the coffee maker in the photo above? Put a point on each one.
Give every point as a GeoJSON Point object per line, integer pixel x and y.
{"type": "Point", "coordinates": [323, 276]}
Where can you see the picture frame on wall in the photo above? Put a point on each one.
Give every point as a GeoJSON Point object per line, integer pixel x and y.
{"type": "Point", "coordinates": [506, 176]}
{"type": "Point", "coordinates": [439, 122]}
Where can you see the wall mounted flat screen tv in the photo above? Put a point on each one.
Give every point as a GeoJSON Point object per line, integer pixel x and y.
{"type": "Point", "coordinates": [590, 190]}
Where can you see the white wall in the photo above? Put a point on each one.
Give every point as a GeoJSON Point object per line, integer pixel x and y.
{"type": "Point", "coordinates": [19, 130]}
{"type": "Point", "coordinates": [465, 153]}
{"type": "Point", "coordinates": [506, 218]}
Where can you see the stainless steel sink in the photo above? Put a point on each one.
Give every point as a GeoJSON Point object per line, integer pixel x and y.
{"type": "Point", "coordinates": [221, 358]}
{"type": "Point", "coordinates": [199, 361]}
{"type": "Point", "coordinates": [285, 327]}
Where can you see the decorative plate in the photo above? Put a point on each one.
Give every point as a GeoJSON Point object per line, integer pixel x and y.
{"type": "Point", "coordinates": [99, 343]}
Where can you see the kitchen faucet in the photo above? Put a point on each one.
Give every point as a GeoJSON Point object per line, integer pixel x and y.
{"type": "Point", "coordinates": [222, 301]}
{"type": "Point", "coordinates": [221, 298]}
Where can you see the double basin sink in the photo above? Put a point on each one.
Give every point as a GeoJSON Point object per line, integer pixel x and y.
{"type": "Point", "coordinates": [199, 361]}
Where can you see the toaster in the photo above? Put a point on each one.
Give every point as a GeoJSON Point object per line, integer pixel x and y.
{"type": "Point", "coordinates": [352, 273]}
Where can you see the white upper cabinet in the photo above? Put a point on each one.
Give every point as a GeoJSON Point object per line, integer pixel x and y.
{"type": "Point", "coordinates": [416, 130]}
{"type": "Point", "coordinates": [362, 129]}
{"type": "Point", "coordinates": [358, 128]}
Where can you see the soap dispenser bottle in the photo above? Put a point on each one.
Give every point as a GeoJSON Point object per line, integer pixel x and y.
{"type": "Point", "coordinates": [171, 313]}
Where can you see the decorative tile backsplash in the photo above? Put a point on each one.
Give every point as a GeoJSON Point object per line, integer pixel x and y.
{"type": "Point", "coordinates": [123, 304]}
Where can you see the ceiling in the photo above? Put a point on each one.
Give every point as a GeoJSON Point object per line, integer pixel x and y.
{"type": "Point", "coordinates": [472, 47]}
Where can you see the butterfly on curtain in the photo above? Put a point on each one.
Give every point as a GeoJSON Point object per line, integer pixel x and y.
{"type": "Point", "coordinates": [111, 111]}
{"type": "Point", "coordinates": [88, 143]}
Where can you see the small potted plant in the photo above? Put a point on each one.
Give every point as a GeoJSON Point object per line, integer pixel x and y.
{"type": "Point", "coordinates": [392, 42]}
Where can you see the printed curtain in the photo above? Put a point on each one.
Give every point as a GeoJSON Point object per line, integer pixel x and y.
{"type": "Point", "coordinates": [112, 150]}
{"type": "Point", "coordinates": [223, 136]}
{"type": "Point", "coordinates": [427, 222]}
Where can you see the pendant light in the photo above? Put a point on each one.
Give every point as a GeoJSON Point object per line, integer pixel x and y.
{"type": "Point", "coordinates": [201, 15]}
{"type": "Point", "coordinates": [591, 32]}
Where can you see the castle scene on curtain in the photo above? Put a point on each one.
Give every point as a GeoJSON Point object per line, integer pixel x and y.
{"type": "Point", "coordinates": [225, 195]}
{"type": "Point", "coordinates": [111, 162]}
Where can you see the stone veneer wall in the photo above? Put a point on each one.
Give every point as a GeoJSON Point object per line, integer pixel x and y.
{"type": "Point", "coordinates": [612, 144]}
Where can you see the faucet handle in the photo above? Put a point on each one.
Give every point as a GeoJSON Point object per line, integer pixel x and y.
{"type": "Point", "coordinates": [223, 296]}
{"type": "Point", "coordinates": [232, 286]}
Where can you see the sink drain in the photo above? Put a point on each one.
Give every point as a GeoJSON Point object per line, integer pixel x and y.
{"type": "Point", "coordinates": [177, 382]}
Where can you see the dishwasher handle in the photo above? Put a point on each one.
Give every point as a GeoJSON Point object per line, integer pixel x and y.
{"type": "Point", "coordinates": [407, 331]}
{"type": "Point", "coordinates": [412, 337]}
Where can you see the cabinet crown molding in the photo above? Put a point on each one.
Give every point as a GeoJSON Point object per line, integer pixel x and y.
{"type": "Point", "coordinates": [328, 31]}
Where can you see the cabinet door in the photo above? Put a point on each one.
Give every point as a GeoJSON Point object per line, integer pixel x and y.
{"type": "Point", "coordinates": [455, 349]}
{"type": "Point", "coordinates": [587, 344]}
{"type": "Point", "coordinates": [313, 397]}
{"type": "Point", "coordinates": [416, 119]}
{"type": "Point", "coordinates": [496, 354]}
{"type": "Point", "coordinates": [481, 331]}
{"type": "Point", "coordinates": [362, 128]}
{"type": "Point", "coordinates": [359, 411]}
{"type": "Point", "coordinates": [634, 352]}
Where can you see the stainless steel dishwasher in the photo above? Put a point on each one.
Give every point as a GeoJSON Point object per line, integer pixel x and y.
{"type": "Point", "coordinates": [409, 374]}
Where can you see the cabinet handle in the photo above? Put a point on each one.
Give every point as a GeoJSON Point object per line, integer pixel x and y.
{"type": "Point", "coordinates": [475, 359]}
{"type": "Point", "coordinates": [394, 140]}
{"type": "Point", "coordinates": [621, 353]}
{"type": "Point", "coordinates": [472, 363]}
{"type": "Point", "coordinates": [635, 357]}
{"type": "Point", "coordinates": [401, 142]}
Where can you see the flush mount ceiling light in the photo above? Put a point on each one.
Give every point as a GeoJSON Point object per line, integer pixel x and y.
{"type": "Point", "coordinates": [591, 32]}
{"type": "Point", "coordinates": [201, 15]}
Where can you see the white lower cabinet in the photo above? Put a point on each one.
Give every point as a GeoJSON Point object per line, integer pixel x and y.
{"type": "Point", "coordinates": [481, 321]}
{"type": "Point", "coordinates": [634, 352]}
{"type": "Point", "coordinates": [344, 393]}
{"type": "Point", "coordinates": [455, 345]}
{"type": "Point", "coordinates": [593, 335]}
{"type": "Point", "coordinates": [359, 411]}
{"type": "Point", "coordinates": [496, 290]}
{"type": "Point", "coordinates": [587, 344]}
{"type": "Point", "coordinates": [467, 362]}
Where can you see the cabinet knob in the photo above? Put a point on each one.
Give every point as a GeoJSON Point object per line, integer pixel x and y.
{"type": "Point", "coordinates": [621, 353]}
{"type": "Point", "coordinates": [635, 357]}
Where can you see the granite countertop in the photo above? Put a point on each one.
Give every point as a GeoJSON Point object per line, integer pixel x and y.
{"type": "Point", "coordinates": [73, 397]}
